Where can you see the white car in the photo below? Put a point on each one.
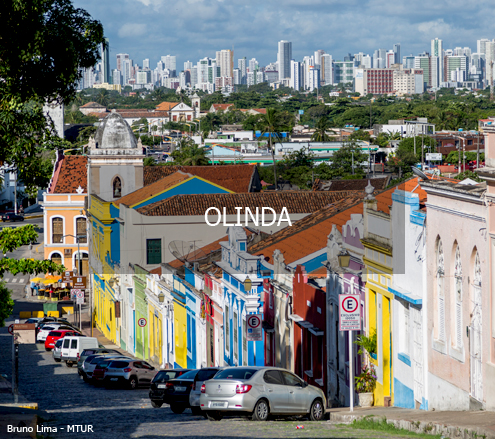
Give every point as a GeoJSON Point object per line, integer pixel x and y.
{"type": "Point", "coordinates": [46, 329]}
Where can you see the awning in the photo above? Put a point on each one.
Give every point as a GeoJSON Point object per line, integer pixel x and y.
{"type": "Point", "coordinates": [407, 296]}
{"type": "Point", "coordinates": [316, 331]}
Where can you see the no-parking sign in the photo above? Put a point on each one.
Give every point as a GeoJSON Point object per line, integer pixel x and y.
{"type": "Point", "coordinates": [254, 332]}
{"type": "Point", "coordinates": [349, 312]}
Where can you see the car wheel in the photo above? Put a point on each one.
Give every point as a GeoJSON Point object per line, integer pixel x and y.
{"type": "Point", "coordinates": [214, 415]}
{"type": "Point", "coordinates": [133, 383]}
{"type": "Point", "coordinates": [261, 410]}
{"type": "Point", "coordinates": [85, 378]}
{"type": "Point", "coordinates": [177, 408]}
{"type": "Point", "coordinates": [196, 411]}
{"type": "Point", "coordinates": [156, 404]}
{"type": "Point", "coordinates": [57, 360]}
{"type": "Point", "coordinates": [316, 412]}
{"type": "Point", "coordinates": [68, 363]}
{"type": "Point", "coordinates": [48, 349]}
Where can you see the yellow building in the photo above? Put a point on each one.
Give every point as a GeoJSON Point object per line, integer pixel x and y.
{"type": "Point", "coordinates": [377, 242]}
{"type": "Point", "coordinates": [64, 219]}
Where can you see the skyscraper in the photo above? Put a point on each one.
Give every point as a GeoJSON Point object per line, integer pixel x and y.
{"type": "Point", "coordinates": [284, 57]}
{"type": "Point", "coordinates": [242, 66]}
{"type": "Point", "coordinates": [170, 62]}
{"type": "Point", "coordinates": [146, 63]}
{"type": "Point", "coordinates": [396, 50]}
{"type": "Point", "coordinates": [121, 57]}
{"type": "Point", "coordinates": [481, 46]}
{"type": "Point", "coordinates": [225, 60]}
{"type": "Point", "coordinates": [253, 64]}
{"type": "Point", "coordinates": [295, 75]}
{"type": "Point", "coordinates": [436, 63]}
{"type": "Point", "coordinates": [326, 69]}
{"type": "Point", "coordinates": [188, 65]}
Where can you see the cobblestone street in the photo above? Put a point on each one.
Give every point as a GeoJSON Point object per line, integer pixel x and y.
{"type": "Point", "coordinates": [121, 413]}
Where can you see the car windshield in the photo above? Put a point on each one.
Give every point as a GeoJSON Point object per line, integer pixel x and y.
{"type": "Point", "coordinates": [118, 364]}
{"type": "Point", "coordinates": [238, 373]}
{"type": "Point", "coordinates": [55, 334]}
{"type": "Point", "coordinates": [165, 375]}
{"type": "Point", "coordinates": [206, 374]}
{"type": "Point", "coordinates": [58, 343]}
{"type": "Point", "coordinates": [188, 375]}
{"type": "Point", "coordinates": [48, 328]}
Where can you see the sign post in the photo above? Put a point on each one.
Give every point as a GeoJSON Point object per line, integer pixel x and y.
{"type": "Point", "coordinates": [142, 323]}
{"type": "Point", "coordinates": [350, 320]}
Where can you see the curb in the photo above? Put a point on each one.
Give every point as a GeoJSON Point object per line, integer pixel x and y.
{"type": "Point", "coordinates": [421, 427]}
{"type": "Point", "coordinates": [21, 405]}
{"type": "Point", "coordinates": [33, 216]}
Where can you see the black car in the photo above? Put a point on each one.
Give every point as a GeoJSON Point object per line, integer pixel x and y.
{"type": "Point", "coordinates": [12, 217]}
{"type": "Point", "coordinates": [177, 391]}
{"type": "Point", "coordinates": [159, 384]}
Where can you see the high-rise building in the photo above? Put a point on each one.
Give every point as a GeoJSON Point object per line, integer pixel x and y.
{"type": "Point", "coordinates": [313, 78]}
{"type": "Point", "coordinates": [284, 56]}
{"type": "Point", "coordinates": [374, 81]}
{"type": "Point", "coordinates": [326, 69]}
{"type": "Point", "coordinates": [489, 62]}
{"type": "Point", "coordinates": [242, 66]}
{"type": "Point", "coordinates": [202, 67]}
{"type": "Point", "coordinates": [225, 60]}
{"type": "Point", "coordinates": [422, 62]}
{"type": "Point", "coordinates": [318, 54]}
{"type": "Point", "coordinates": [408, 62]}
{"type": "Point", "coordinates": [116, 77]}
{"type": "Point", "coordinates": [237, 76]}
{"type": "Point", "coordinates": [188, 65]}
{"type": "Point", "coordinates": [396, 50]}
{"type": "Point", "coordinates": [170, 63]}
{"type": "Point", "coordinates": [436, 63]}
{"type": "Point", "coordinates": [454, 64]}
{"type": "Point", "coordinates": [194, 76]}
{"type": "Point", "coordinates": [481, 46]}
{"type": "Point", "coordinates": [105, 62]}
{"type": "Point", "coordinates": [121, 57]}
{"type": "Point", "coordinates": [295, 75]}
{"type": "Point", "coordinates": [367, 61]}
{"type": "Point", "coordinates": [390, 59]}
{"type": "Point", "coordinates": [146, 63]}
{"type": "Point", "coordinates": [380, 59]}
{"type": "Point", "coordinates": [343, 72]}
{"type": "Point", "coordinates": [253, 65]}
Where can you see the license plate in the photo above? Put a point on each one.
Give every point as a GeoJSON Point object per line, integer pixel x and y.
{"type": "Point", "coordinates": [180, 389]}
{"type": "Point", "coordinates": [219, 404]}
{"type": "Point", "coordinates": [161, 386]}
{"type": "Point", "coordinates": [114, 379]}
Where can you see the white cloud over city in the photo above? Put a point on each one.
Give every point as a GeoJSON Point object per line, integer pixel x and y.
{"type": "Point", "coordinates": [192, 29]}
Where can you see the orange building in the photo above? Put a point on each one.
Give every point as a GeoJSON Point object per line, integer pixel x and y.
{"type": "Point", "coordinates": [64, 218]}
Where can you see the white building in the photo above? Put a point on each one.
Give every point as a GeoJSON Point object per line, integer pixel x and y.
{"type": "Point", "coordinates": [408, 81]}
{"type": "Point", "coordinates": [284, 57]}
{"type": "Point", "coordinates": [326, 69]}
{"type": "Point", "coordinates": [295, 75]}
{"type": "Point", "coordinates": [437, 75]}
{"type": "Point", "coordinates": [225, 60]}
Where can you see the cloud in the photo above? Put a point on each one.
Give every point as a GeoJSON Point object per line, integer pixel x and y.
{"type": "Point", "coordinates": [193, 29]}
{"type": "Point", "coordinates": [132, 30]}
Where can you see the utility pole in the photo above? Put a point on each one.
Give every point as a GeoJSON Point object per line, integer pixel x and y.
{"type": "Point", "coordinates": [478, 152]}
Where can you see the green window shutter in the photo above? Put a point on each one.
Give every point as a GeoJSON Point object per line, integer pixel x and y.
{"type": "Point", "coordinates": [153, 251]}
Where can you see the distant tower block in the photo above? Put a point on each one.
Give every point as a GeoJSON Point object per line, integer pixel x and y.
{"type": "Point", "coordinates": [55, 112]}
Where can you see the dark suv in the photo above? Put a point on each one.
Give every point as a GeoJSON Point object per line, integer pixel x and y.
{"type": "Point", "coordinates": [159, 384]}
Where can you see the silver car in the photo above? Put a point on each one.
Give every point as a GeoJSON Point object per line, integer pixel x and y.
{"type": "Point", "coordinates": [259, 392]}
{"type": "Point", "coordinates": [131, 372]}
{"type": "Point", "coordinates": [57, 350]}
{"type": "Point", "coordinates": [89, 366]}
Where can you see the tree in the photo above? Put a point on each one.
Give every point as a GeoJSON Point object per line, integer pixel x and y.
{"type": "Point", "coordinates": [348, 159]}
{"type": "Point", "coordinates": [322, 126]}
{"type": "Point", "coordinates": [408, 144]}
{"type": "Point", "coordinates": [45, 44]}
{"type": "Point", "coordinates": [10, 239]}
{"type": "Point", "coordinates": [271, 125]}
{"type": "Point", "coordinates": [189, 154]}
{"type": "Point", "coordinates": [149, 161]}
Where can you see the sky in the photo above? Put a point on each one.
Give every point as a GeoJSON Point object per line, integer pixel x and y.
{"type": "Point", "coordinates": [193, 29]}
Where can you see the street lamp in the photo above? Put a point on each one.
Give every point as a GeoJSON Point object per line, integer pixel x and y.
{"type": "Point", "coordinates": [344, 258]}
{"type": "Point", "coordinates": [77, 238]}
{"type": "Point", "coordinates": [161, 297]}
{"type": "Point", "coordinates": [463, 153]}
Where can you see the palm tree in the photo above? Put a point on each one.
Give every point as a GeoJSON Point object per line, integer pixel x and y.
{"type": "Point", "coordinates": [270, 124]}
{"type": "Point", "coordinates": [320, 134]}
{"type": "Point", "coordinates": [102, 97]}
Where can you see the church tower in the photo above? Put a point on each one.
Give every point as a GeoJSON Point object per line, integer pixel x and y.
{"type": "Point", "coordinates": [115, 160]}
{"type": "Point", "coordinates": [196, 104]}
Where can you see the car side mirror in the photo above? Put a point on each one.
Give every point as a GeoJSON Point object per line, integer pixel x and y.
{"type": "Point", "coordinates": [305, 384]}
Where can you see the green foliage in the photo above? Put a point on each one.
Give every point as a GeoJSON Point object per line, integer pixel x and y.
{"type": "Point", "coordinates": [149, 161]}
{"type": "Point", "coordinates": [303, 157]}
{"type": "Point", "coordinates": [190, 154]}
{"type": "Point", "coordinates": [320, 134]}
{"type": "Point", "coordinates": [366, 380]}
{"type": "Point", "coordinates": [45, 43]}
{"type": "Point", "coordinates": [373, 423]}
{"type": "Point", "coordinates": [6, 304]}
{"type": "Point", "coordinates": [453, 156]}
{"type": "Point", "coordinates": [348, 159]}
{"type": "Point", "coordinates": [468, 174]}
{"type": "Point", "coordinates": [367, 344]}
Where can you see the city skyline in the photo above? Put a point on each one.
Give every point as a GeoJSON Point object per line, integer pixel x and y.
{"type": "Point", "coordinates": [141, 28]}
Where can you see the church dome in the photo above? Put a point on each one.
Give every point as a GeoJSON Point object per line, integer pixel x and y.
{"type": "Point", "coordinates": [114, 133]}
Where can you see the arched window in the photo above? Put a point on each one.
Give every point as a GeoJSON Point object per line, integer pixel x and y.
{"type": "Point", "coordinates": [458, 297]}
{"type": "Point", "coordinates": [117, 188]}
{"type": "Point", "coordinates": [475, 334]}
{"type": "Point", "coordinates": [81, 232]}
{"type": "Point", "coordinates": [57, 230]}
{"type": "Point", "coordinates": [440, 293]}
{"type": "Point", "coordinates": [57, 258]}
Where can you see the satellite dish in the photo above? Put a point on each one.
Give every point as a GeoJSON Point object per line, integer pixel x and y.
{"type": "Point", "coordinates": [186, 251]}
{"type": "Point", "coordinates": [419, 173]}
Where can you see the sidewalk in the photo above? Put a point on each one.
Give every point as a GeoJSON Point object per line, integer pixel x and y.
{"type": "Point", "coordinates": [475, 424]}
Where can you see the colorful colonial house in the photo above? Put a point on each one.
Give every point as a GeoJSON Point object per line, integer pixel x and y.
{"type": "Point", "coordinates": [64, 219]}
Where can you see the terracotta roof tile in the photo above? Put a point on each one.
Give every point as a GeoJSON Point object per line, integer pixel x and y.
{"type": "Point", "coordinates": [236, 178]}
{"type": "Point", "coordinates": [221, 107]}
{"type": "Point", "coordinates": [197, 204]}
{"type": "Point", "coordinates": [142, 113]}
{"type": "Point", "coordinates": [73, 173]}
{"type": "Point", "coordinates": [157, 270]}
{"type": "Point", "coordinates": [146, 192]}
{"type": "Point", "coordinates": [92, 105]}
{"type": "Point", "coordinates": [350, 185]}
{"type": "Point", "coordinates": [166, 106]}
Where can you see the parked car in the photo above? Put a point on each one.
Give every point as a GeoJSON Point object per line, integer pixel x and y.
{"type": "Point", "coordinates": [177, 391]}
{"type": "Point", "coordinates": [53, 336]}
{"type": "Point", "coordinates": [93, 352]}
{"type": "Point", "coordinates": [133, 373]}
{"type": "Point", "coordinates": [12, 217]}
{"type": "Point", "coordinates": [98, 376]}
{"type": "Point", "coordinates": [73, 347]}
{"type": "Point", "coordinates": [203, 375]}
{"type": "Point", "coordinates": [35, 320]}
{"type": "Point", "coordinates": [46, 329]}
{"type": "Point", "coordinates": [92, 362]}
{"type": "Point", "coordinates": [158, 384]}
{"type": "Point", "coordinates": [57, 350]}
{"type": "Point", "coordinates": [259, 392]}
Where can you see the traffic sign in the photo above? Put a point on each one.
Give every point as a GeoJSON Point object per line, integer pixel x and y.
{"type": "Point", "coordinates": [349, 312]}
{"type": "Point", "coordinates": [11, 328]}
{"type": "Point", "coordinates": [142, 322]}
{"type": "Point", "coordinates": [79, 297]}
{"type": "Point", "coordinates": [79, 282]}
{"type": "Point", "coordinates": [67, 277]}
{"type": "Point", "coordinates": [434, 156]}
{"type": "Point", "coordinates": [254, 331]}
